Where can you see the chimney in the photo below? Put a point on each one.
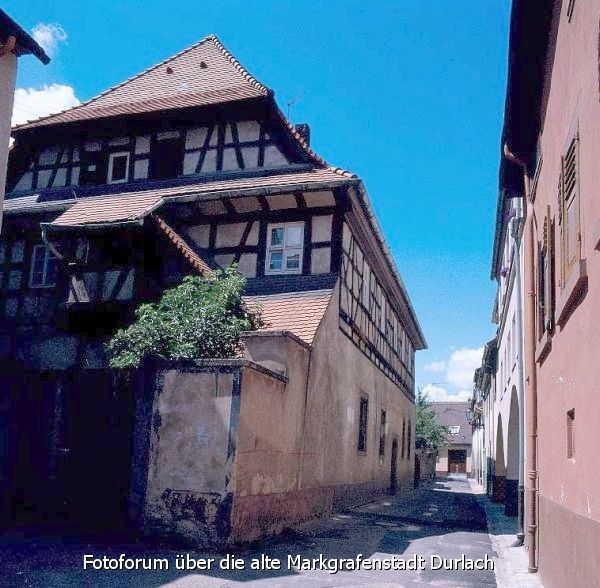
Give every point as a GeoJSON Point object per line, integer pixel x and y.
{"type": "Point", "coordinates": [304, 131]}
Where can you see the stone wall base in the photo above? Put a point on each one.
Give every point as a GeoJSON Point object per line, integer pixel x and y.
{"type": "Point", "coordinates": [263, 515]}
{"type": "Point", "coordinates": [511, 498]}
{"type": "Point", "coordinates": [499, 494]}
{"type": "Point", "coordinates": [568, 547]}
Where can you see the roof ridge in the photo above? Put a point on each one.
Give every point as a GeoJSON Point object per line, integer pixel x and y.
{"type": "Point", "coordinates": [238, 66]}
{"type": "Point", "coordinates": [210, 38]}
{"type": "Point", "coordinates": [308, 150]}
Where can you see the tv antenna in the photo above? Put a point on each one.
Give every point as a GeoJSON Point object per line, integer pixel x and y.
{"type": "Point", "coordinates": [293, 101]}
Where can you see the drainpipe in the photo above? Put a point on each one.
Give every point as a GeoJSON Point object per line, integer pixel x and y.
{"type": "Point", "coordinates": [306, 391]}
{"type": "Point", "coordinates": [516, 233]}
{"type": "Point", "coordinates": [49, 243]}
{"type": "Point", "coordinates": [532, 380]}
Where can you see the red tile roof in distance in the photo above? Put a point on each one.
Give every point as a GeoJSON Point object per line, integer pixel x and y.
{"type": "Point", "coordinates": [201, 75]}
{"type": "Point", "coordinates": [298, 312]}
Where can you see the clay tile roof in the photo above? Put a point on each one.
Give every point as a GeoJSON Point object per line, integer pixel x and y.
{"type": "Point", "coordinates": [204, 74]}
{"type": "Point", "coordinates": [108, 209]}
{"type": "Point", "coordinates": [298, 312]}
{"type": "Point", "coordinates": [452, 414]}
{"type": "Point", "coordinates": [192, 257]}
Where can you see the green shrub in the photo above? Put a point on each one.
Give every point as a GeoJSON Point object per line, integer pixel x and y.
{"type": "Point", "coordinates": [201, 318]}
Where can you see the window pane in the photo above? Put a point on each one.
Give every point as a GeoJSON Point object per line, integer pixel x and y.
{"type": "Point", "coordinates": [51, 271]}
{"type": "Point", "coordinates": [294, 236]}
{"type": "Point", "coordinates": [277, 237]}
{"type": "Point", "coordinates": [38, 261]}
{"type": "Point", "coordinates": [16, 254]}
{"type": "Point", "coordinates": [119, 168]}
{"type": "Point", "coordinates": [292, 261]}
{"type": "Point", "coordinates": [14, 279]}
{"type": "Point", "coordinates": [275, 260]}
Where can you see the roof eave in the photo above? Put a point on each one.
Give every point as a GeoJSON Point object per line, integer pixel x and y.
{"type": "Point", "coordinates": [25, 43]}
{"type": "Point", "coordinates": [528, 43]}
{"type": "Point", "coordinates": [421, 343]}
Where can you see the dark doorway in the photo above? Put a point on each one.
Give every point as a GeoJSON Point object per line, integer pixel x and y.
{"type": "Point", "coordinates": [70, 449]}
{"type": "Point", "coordinates": [165, 158]}
{"type": "Point", "coordinates": [457, 461]}
{"type": "Point", "coordinates": [394, 468]}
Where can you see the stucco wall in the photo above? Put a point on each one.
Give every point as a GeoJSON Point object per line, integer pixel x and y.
{"type": "Point", "coordinates": [340, 373]}
{"type": "Point", "coordinates": [191, 453]}
{"type": "Point", "coordinates": [568, 377]}
{"type": "Point", "coordinates": [297, 451]}
{"type": "Point", "coordinates": [269, 446]}
{"type": "Point", "coordinates": [8, 73]}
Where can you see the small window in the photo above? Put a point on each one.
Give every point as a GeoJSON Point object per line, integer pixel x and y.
{"type": "Point", "coordinates": [362, 424]}
{"type": "Point", "coordinates": [285, 246]}
{"type": "Point", "coordinates": [403, 438]}
{"type": "Point", "coordinates": [44, 268]}
{"type": "Point", "coordinates": [571, 434]}
{"type": "Point", "coordinates": [118, 167]}
{"type": "Point", "coordinates": [454, 429]}
{"type": "Point", "coordinates": [382, 428]}
{"type": "Point", "coordinates": [409, 440]}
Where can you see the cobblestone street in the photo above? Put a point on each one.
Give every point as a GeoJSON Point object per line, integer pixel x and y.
{"type": "Point", "coordinates": [443, 518]}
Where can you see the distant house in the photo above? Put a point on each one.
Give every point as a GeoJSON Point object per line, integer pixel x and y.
{"type": "Point", "coordinates": [455, 457]}
{"type": "Point", "coordinates": [189, 167]}
{"type": "Point", "coordinates": [14, 42]}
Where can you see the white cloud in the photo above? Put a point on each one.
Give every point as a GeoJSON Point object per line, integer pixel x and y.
{"type": "Point", "coordinates": [462, 365]}
{"type": "Point", "coordinates": [49, 36]}
{"type": "Point", "coordinates": [31, 103]}
{"type": "Point", "coordinates": [436, 366]}
{"type": "Point", "coordinates": [438, 394]}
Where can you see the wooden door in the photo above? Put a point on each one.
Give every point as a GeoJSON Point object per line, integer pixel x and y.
{"type": "Point", "coordinates": [457, 461]}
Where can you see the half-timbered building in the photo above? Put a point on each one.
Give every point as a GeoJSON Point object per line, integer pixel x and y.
{"type": "Point", "coordinates": [187, 167]}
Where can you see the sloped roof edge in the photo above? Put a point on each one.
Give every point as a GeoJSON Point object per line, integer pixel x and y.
{"type": "Point", "coordinates": [209, 39]}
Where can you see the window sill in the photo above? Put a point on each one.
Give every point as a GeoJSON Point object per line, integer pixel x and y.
{"type": "Point", "coordinates": [572, 289]}
{"type": "Point", "coordinates": [543, 347]}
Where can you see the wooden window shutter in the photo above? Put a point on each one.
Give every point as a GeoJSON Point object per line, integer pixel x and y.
{"type": "Point", "coordinates": [549, 274]}
{"type": "Point", "coordinates": [570, 9]}
{"type": "Point", "coordinates": [569, 207]}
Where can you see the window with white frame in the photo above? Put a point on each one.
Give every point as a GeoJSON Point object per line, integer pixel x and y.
{"type": "Point", "coordinates": [285, 247]}
{"type": "Point", "coordinates": [44, 267]}
{"type": "Point", "coordinates": [118, 167]}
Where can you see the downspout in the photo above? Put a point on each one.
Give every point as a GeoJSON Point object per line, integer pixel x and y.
{"type": "Point", "coordinates": [532, 379]}
{"type": "Point", "coordinates": [306, 391]}
{"type": "Point", "coordinates": [49, 243]}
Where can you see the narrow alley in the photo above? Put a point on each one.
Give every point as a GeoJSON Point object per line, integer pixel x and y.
{"type": "Point", "coordinates": [442, 518]}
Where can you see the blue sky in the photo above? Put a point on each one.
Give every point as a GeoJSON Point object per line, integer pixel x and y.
{"type": "Point", "coordinates": [408, 94]}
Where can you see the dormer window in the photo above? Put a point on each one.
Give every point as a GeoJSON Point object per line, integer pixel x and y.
{"type": "Point", "coordinates": [118, 167]}
{"type": "Point", "coordinates": [285, 247]}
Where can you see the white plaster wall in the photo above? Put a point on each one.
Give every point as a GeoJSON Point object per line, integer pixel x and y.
{"type": "Point", "coordinates": [8, 73]}
{"type": "Point", "coordinates": [507, 371]}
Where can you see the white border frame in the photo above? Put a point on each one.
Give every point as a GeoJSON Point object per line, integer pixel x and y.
{"type": "Point", "coordinates": [111, 159]}
{"type": "Point", "coordinates": [283, 270]}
